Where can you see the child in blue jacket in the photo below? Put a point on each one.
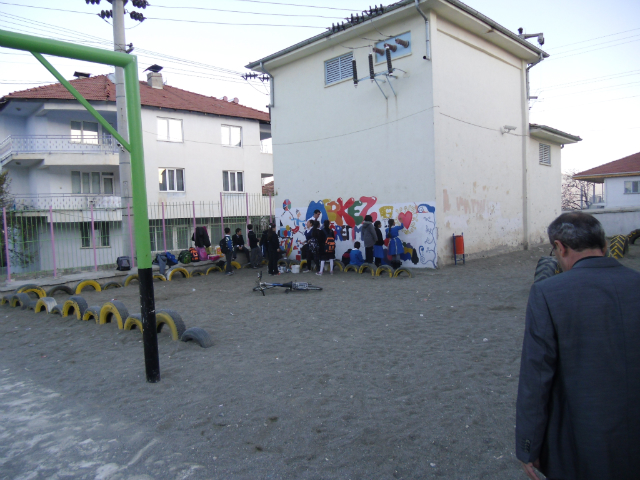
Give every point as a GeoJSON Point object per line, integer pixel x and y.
{"type": "Point", "coordinates": [355, 257]}
{"type": "Point", "coordinates": [395, 244]}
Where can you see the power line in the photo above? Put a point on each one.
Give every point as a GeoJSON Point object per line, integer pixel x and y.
{"type": "Point", "coordinates": [597, 44]}
{"type": "Point", "coordinates": [231, 23]}
{"type": "Point", "coordinates": [594, 80]}
{"type": "Point", "coordinates": [247, 13]}
{"type": "Point", "coordinates": [46, 8]}
{"type": "Point", "coordinates": [297, 5]}
{"type": "Point", "coordinates": [590, 103]}
{"type": "Point", "coordinates": [592, 50]}
{"type": "Point", "coordinates": [612, 87]}
{"type": "Point", "coordinates": [595, 38]}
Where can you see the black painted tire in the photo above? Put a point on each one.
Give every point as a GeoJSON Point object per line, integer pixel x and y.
{"type": "Point", "coordinates": [59, 288]}
{"type": "Point", "coordinates": [134, 321]}
{"type": "Point", "coordinates": [32, 305]}
{"type": "Point", "coordinates": [633, 236]}
{"type": "Point", "coordinates": [547, 267]}
{"type": "Point", "coordinates": [173, 320]}
{"type": "Point", "coordinates": [198, 335]}
{"type": "Point", "coordinates": [198, 272]}
{"type": "Point", "coordinates": [31, 288]}
{"type": "Point", "coordinates": [183, 271]}
{"type": "Point", "coordinates": [57, 310]}
{"type": "Point", "coordinates": [21, 299]}
{"type": "Point", "coordinates": [339, 265]}
{"type": "Point", "coordinates": [402, 270]}
{"type": "Point", "coordinates": [114, 309]}
{"type": "Point", "coordinates": [213, 269]}
{"type": "Point", "coordinates": [130, 278]}
{"type": "Point", "coordinates": [618, 246]}
{"type": "Point", "coordinates": [109, 285]}
{"type": "Point", "coordinates": [368, 266]}
{"type": "Point", "coordinates": [351, 267]}
{"type": "Point", "coordinates": [384, 268]}
{"type": "Point", "coordinates": [92, 312]}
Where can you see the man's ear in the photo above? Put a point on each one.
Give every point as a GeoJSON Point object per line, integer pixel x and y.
{"type": "Point", "coordinates": [561, 248]}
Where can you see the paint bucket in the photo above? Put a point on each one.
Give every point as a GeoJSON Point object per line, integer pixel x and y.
{"type": "Point", "coordinates": [295, 268]}
{"type": "Point", "coordinates": [459, 239]}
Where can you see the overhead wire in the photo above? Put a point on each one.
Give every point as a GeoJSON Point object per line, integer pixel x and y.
{"type": "Point", "coordinates": [155, 5]}
{"type": "Point", "coordinates": [591, 39]}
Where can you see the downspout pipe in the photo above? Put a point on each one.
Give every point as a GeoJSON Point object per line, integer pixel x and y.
{"type": "Point", "coordinates": [529, 67]}
{"type": "Point", "coordinates": [426, 23]}
{"type": "Point", "coordinates": [271, 88]}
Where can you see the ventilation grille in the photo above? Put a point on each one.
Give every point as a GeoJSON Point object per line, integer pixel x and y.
{"type": "Point", "coordinates": [545, 154]}
{"type": "Point", "coordinates": [338, 69]}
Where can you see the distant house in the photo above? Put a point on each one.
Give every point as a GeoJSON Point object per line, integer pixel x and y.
{"type": "Point", "coordinates": [621, 179]}
{"type": "Point", "coordinates": [430, 128]}
{"type": "Point", "coordinates": [203, 155]}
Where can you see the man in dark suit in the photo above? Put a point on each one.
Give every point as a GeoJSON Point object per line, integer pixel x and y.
{"type": "Point", "coordinates": [578, 408]}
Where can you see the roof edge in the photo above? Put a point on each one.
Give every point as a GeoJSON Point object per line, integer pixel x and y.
{"type": "Point", "coordinates": [554, 131]}
{"type": "Point", "coordinates": [403, 3]}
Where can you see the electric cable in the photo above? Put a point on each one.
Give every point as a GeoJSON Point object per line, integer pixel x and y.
{"type": "Point", "coordinates": [247, 13]}
{"type": "Point", "coordinates": [595, 38]}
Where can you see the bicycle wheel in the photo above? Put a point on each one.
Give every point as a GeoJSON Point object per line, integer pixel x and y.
{"type": "Point", "coordinates": [264, 287]}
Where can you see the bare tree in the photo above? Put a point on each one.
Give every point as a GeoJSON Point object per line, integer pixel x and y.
{"type": "Point", "coordinates": [575, 193]}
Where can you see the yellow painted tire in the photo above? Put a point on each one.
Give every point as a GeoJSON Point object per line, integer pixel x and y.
{"type": "Point", "coordinates": [75, 304]}
{"type": "Point", "coordinates": [198, 272]}
{"type": "Point", "coordinates": [351, 267]}
{"type": "Point", "coordinates": [236, 265]}
{"type": "Point", "coordinates": [87, 283]}
{"type": "Point", "coordinates": [303, 264]}
{"type": "Point", "coordinates": [5, 299]}
{"type": "Point", "coordinates": [402, 270]}
{"type": "Point", "coordinates": [33, 289]}
{"type": "Point", "coordinates": [384, 268]}
{"type": "Point", "coordinates": [339, 265]}
{"type": "Point", "coordinates": [159, 276]}
{"type": "Point", "coordinates": [367, 266]}
{"type": "Point", "coordinates": [618, 246]}
{"type": "Point", "coordinates": [133, 321]}
{"type": "Point", "coordinates": [46, 304]}
{"type": "Point", "coordinates": [114, 309]}
{"type": "Point", "coordinates": [264, 262]}
{"type": "Point", "coordinates": [213, 269]}
{"type": "Point", "coordinates": [172, 272]}
{"type": "Point", "coordinates": [109, 285]}
{"type": "Point", "coordinates": [282, 262]}
{"type": "Point", "coordinates": [20, 299]}
{"type": "Point", "coordinates": [129, 278]}
{"type": "Point", "coordinates": [173, 320]}
{"type": "Point", "coordinates": [92, 313]}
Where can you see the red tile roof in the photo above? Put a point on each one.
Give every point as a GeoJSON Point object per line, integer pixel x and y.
{"type": "Point", "coordinates": [100, 88]}
{"type": "Point", "coordinates": [630, 165]}
{"type": "Point", "coordinates": [267, 188]}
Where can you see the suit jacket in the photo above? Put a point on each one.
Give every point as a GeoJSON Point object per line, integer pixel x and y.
{"type": "Point", "coordinates": [578, 408]}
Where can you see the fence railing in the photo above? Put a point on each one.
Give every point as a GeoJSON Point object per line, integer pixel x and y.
{"type": "Point", "coordinates": [56, 241]}
{"type": "Point", "coordinates": [66, 201]}
{"type": "Point", "coordinates": [17, 144]}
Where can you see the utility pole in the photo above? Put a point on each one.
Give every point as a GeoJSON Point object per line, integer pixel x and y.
{"type": "Point", "coordinates": [120, 45]}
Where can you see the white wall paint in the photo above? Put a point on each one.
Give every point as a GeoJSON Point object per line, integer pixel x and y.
{"type": "Point", "coordinates": [615, 196]}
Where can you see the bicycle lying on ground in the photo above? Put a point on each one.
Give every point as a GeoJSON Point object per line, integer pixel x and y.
{"type": "Point", "coordinates": [262, 286]}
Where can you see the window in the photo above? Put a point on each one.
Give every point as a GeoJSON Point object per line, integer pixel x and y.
{"type": "Point", "coordinates": [92, 182]}
{"type": "Point", "coordinates": [183, 237]}
{"type": "Point", "coordinates": [84, 132]}
{"type": "Point", "coordinates": [544, 154]}
{"type": "Point", "coordinates": [338, 69]}
{"type": "Point", "coordinates": [632, 187]}
{"type": "Point", "coordinates": [101, 234]}
{"type": "Point", "coordinates": [171, 179]}
{"type": "Point", "coordinates": [231, 136]}
{"type": "Point", "coordinates": [232, 181]}
{"type": "Point", "coordinates": [169, 130]}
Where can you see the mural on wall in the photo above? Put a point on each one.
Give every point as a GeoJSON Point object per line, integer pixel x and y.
{"type": "Point", "coordinates": [346, 216]}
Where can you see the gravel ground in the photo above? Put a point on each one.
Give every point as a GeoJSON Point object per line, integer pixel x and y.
{"type": "Point", "coordinates": [370, 378]}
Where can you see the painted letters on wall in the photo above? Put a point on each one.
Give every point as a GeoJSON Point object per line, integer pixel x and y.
{"type": "Point", "coordinates": [346, 216]}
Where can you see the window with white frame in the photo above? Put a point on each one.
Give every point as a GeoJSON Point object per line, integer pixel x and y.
{"type": "Point", "coordinates": [169, 129]}
{"type": "Point", "coordinates": [95, 183]}
{"type": "Point", "coordinates": [101, 232]}
{"type": "Point", "coordinates": [231, 136]}
{"type": "Point", "coordinates": [171, 179]}
{"type": "Point", "coordinates": [84, 132]}
{"type": "Point", "coordinates": [544, 154]}
{"type": "Point", "coordinates": [338, 68]}
{"type": "Point", "coordinates": [632, 187]}
{"type": "Point", "coordinates": [233, 181]}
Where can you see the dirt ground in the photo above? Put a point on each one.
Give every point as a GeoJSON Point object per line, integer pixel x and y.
{"type": "Point", "coordinates": [370, 378]}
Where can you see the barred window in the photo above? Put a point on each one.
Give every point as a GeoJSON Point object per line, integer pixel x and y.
{"type": "Point", "coordinates": [338, 68]}
{"type": "Point", "coordinates": [544, 154]}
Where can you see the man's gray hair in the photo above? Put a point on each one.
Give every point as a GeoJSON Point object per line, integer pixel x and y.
{"type": "Point", "coordinates": [578, 231]}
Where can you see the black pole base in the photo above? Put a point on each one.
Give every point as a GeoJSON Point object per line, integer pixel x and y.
{"type": "Point", "coordinates": [149, 332]}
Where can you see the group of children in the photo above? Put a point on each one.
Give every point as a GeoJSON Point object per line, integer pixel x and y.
{"type": "Point", "coordinates": [319, 246]}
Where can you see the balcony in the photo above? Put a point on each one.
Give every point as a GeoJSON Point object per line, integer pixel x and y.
{"type": "Point", "coordinates": [36, 147]}
{"type": "Point", "coordinates": [65, 201]}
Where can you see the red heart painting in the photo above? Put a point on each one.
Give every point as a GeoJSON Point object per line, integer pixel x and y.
{"type": "Point", "coordinates": [405, 218]}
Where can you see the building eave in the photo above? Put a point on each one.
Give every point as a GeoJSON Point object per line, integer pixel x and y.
{"type": "Point", "coordinates": [447, 8]}
{"type": "Point", "coordinates": [553, 135]}
{"type": "Point", "coordinates": [600, 178]}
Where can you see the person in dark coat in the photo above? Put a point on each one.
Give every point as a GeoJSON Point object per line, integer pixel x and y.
{"type": "Point", "coordinates": [239, 247]}
{"type": "Point", "coordinates": [329, 248]}
{"type": "Point", "coordinates": [274, 250]}
{"type": "Point", "coordinates": [378, 247]}
{"type": "Point", "coordinates": [578, 407]}
{"type": "Point", "coordinates": [264, 241]}
{"type": "Point", "coordinates": [368, 237]}
{"type": "Point", "coordinates": [254, 249]}
{"type": "Point", "coordinates": [308, 235]}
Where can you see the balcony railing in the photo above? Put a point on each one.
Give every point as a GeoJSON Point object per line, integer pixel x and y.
{"type": "Point", "coordinates": [17, 144]}
{"type": "Point", "coordinates": [66, 201]}
{"type": "Point", "coordinates": [266, 147]}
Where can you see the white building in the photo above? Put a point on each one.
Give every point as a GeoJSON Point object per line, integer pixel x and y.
{"type": "Point", "coordinates": [444, 141]}
{"type": "Point", "coordinates": [619, 209]}
{"type": "Point", "coordinates": [197, 149]}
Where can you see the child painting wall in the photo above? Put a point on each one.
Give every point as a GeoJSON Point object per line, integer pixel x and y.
{"type": "Point", "coordinates": [418, 236]}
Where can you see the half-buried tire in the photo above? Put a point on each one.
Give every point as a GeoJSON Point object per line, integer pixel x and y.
{"type": "Point", "coordinates": [20, 300]}
{"type": "Point", "coordinates": [401, 270]}
{"type": "Point", "coordinates": [198, 335]}
{"type": "Point", "coordinates": [59, 288]}
{"type": "Point", "coordinates": [382, 269]}
{"type": "Point", "coordinates": [367, 266]}
{"type": "Point", "coordinates": [109, 285]}
{"type": "Point", "coordinates": [114, 309]}
{"type": "Point", "coordinates": [633, 236]}
{"type": "Point", "coordinates": [45, 304]}
{"type": "Point", "coordinates": [130, 278]}
{"type": "Point", "coordinates": [92, 313]}
{"type": "Point", "coordinates": [180, 270]}
{"type": "Point", "coordinates": [75, 304]}
{"type": "Point", "coordinates": [173, 320]}
{"type": "Point", "coordinates": [547, 267]}
{"type": "Point", "coordinates": [35, 289]}
{"type": "Point", "coordinates": [133, 321]}
{"type": "Point", "coordinates": [198, 272]}
{"type": "Point", "coordinates": [87, 283]}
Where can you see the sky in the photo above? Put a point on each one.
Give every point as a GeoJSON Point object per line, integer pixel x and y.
{"type": "Point", "coordinates": [589, 86]}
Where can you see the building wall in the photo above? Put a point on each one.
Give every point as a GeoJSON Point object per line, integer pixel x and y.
{"type": "Point", "coordinates": [349, 151]}
{"type": "Point", "coordinates": [544, 190]}
{"type": "Point", "coordinates": [478, 89]}
{"type": "Point", "coordinates": [11, 125]}
{"type": "Point", "coordinates": [202, 155]}
{"type": "Point", "coordinates": [615, 196]}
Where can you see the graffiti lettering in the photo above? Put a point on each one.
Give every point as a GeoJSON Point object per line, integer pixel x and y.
{"type": "Point", "coordinates": [368, 203]}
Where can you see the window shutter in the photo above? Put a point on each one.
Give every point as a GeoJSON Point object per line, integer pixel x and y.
{"type": "Point", "coordinates": [545, 154]}
{"type": "Point", "coordinates": [338, 68]}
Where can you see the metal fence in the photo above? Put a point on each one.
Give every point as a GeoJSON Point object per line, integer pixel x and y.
{"type": "Point", "coordinates": [57, 241]}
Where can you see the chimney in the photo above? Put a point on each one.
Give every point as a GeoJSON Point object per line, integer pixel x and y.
{"type": "Point", "coordinates": [154, 80]}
